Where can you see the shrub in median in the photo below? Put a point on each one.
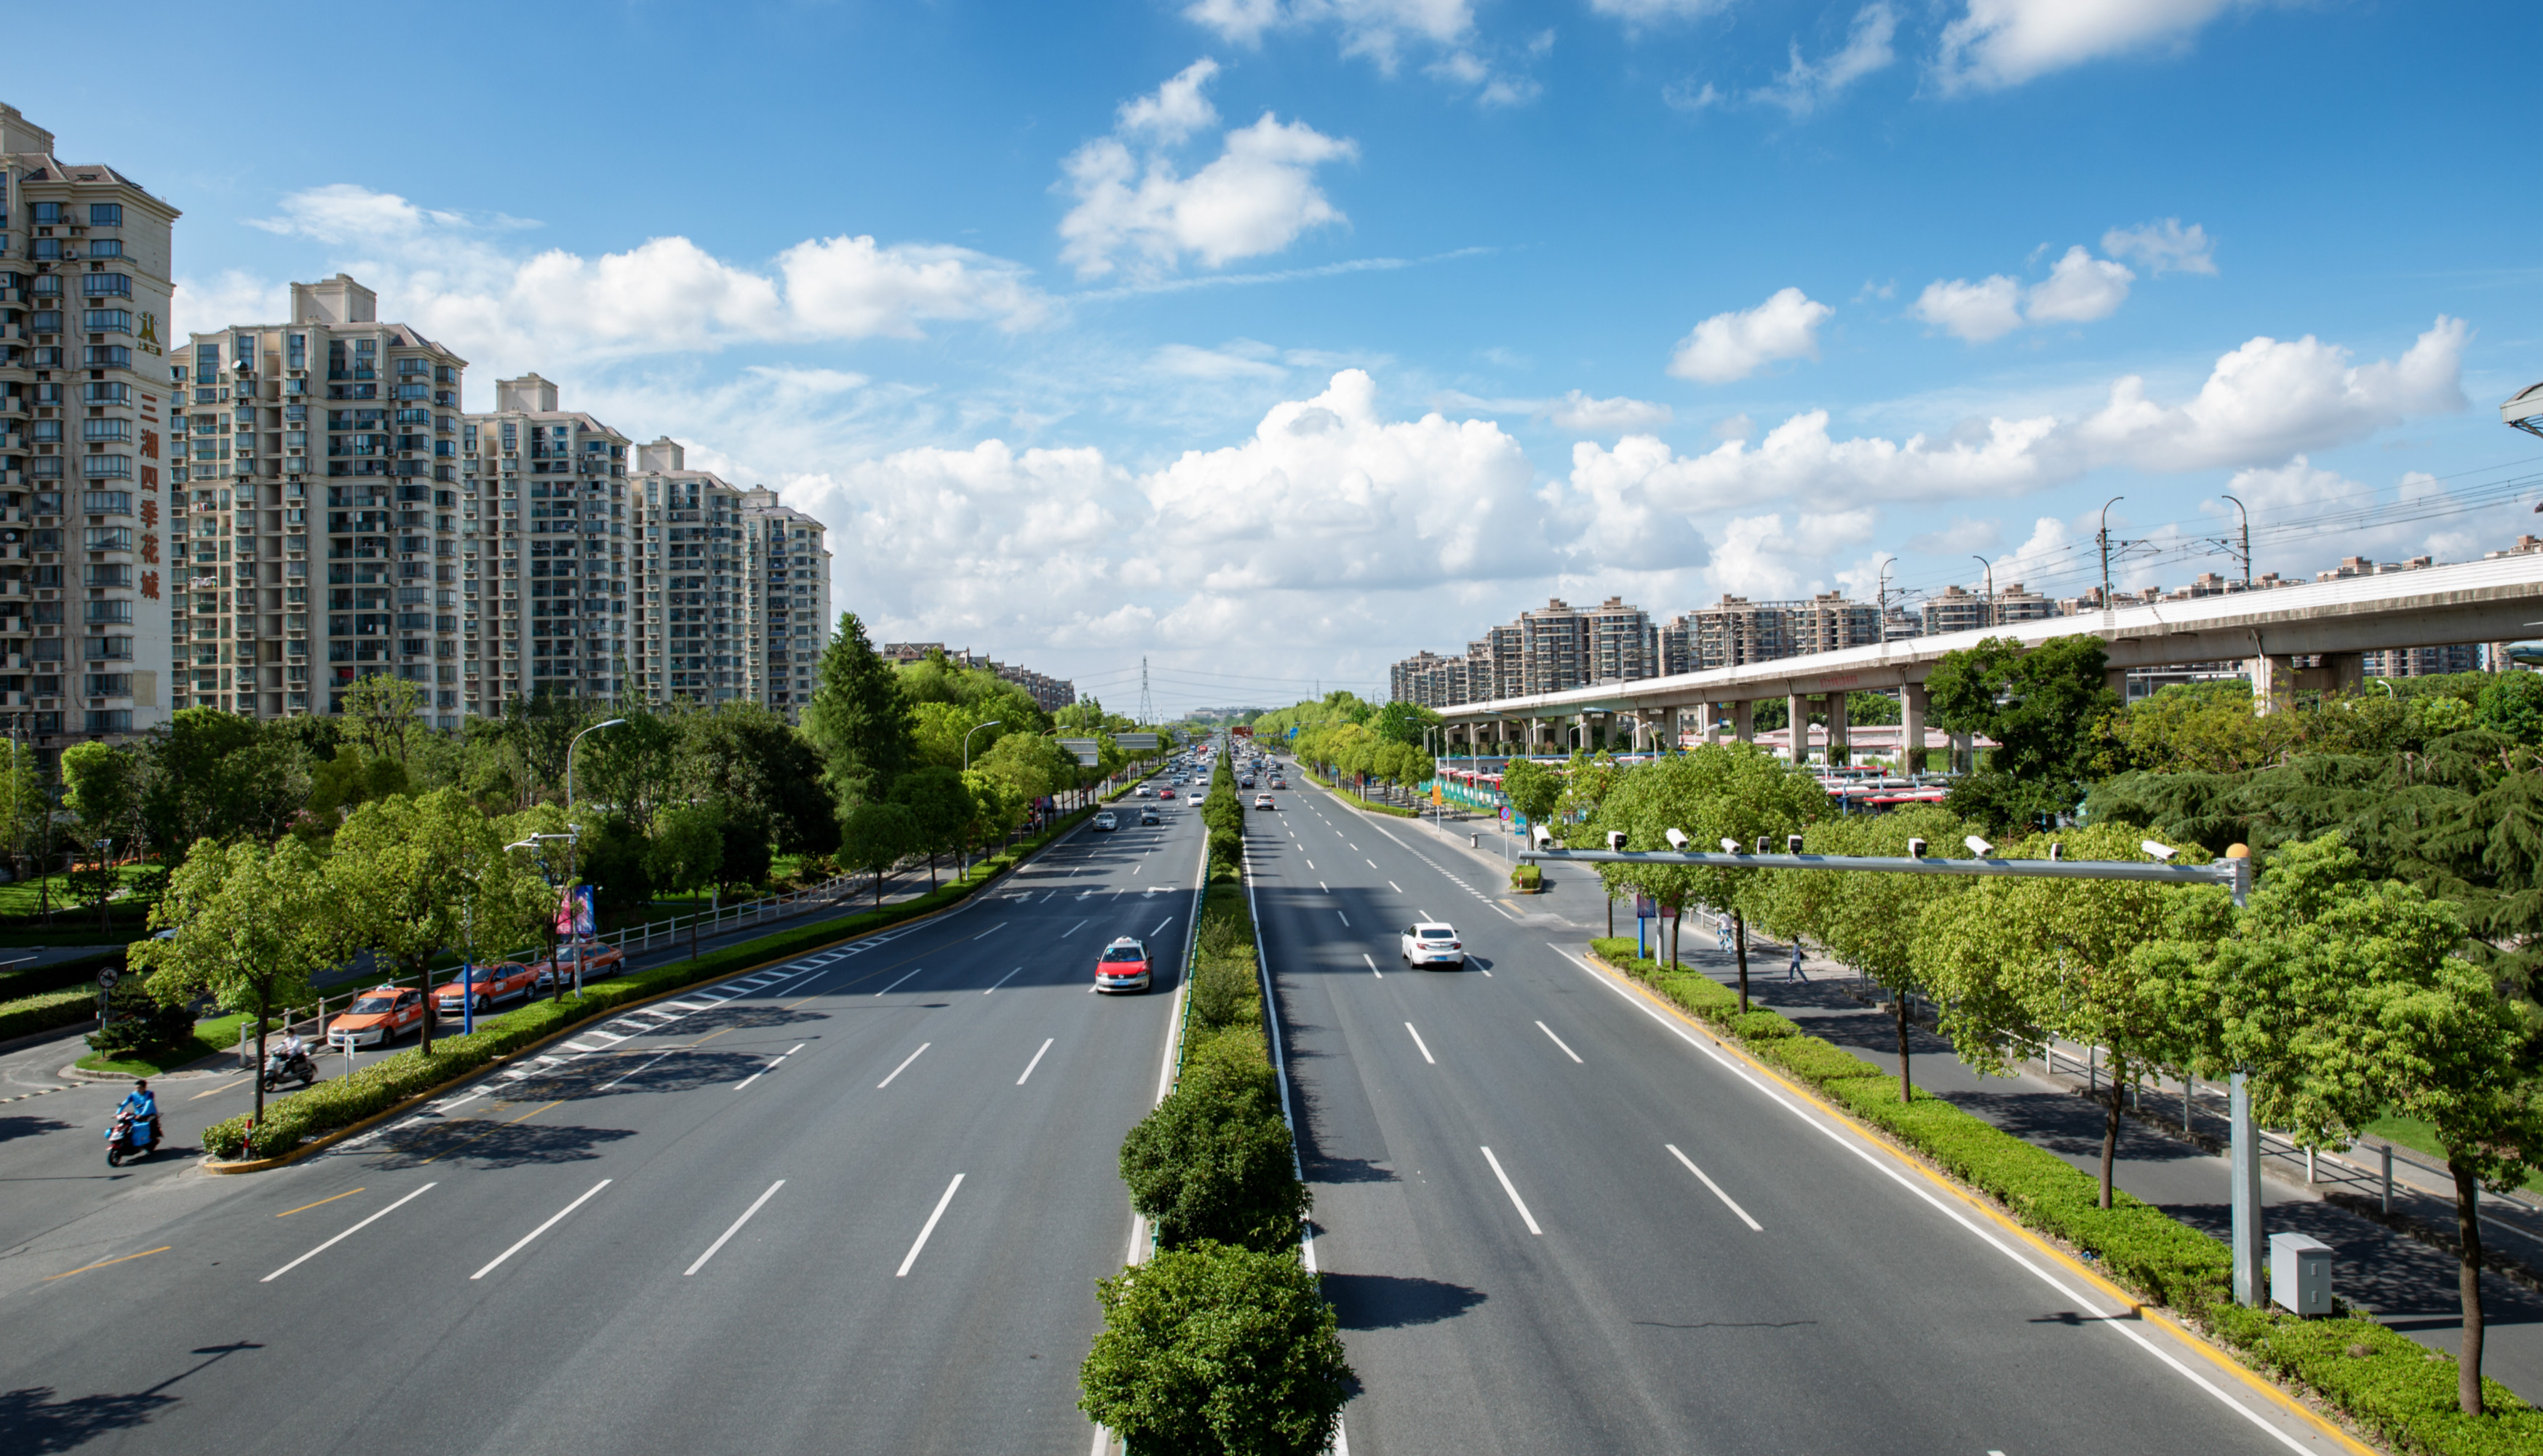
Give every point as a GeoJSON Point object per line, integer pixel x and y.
{"type": "Point", "coordinates": [1527, 876]}
{"type": "Point", "coordinates": [1214, 1162]}
{"type": "Point", "coordinates": [2383, 1380]}
{"type": "Point", "coordinates": [1761, 1026]}
{"type": "Point", "coordinates": [1213, 1350]}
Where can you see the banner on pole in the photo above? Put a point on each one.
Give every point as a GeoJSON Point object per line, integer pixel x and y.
{"type": "Point", "coordinates": [573, 911]}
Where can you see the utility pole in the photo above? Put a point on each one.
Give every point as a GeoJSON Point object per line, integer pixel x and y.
{"type": "Point", "coordinates": [2242, 545]}
{"type": "Point", "coordinates": [2105, 539]}
{"type": "Point", "coordinates": [1987, 609]}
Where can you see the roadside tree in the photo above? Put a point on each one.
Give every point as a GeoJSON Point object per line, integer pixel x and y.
{"type": "Point", "coordinates": [1217, 1351]}
{"type": "Point", "coordinates": [415, 877]}
{"type": "Point", "coordinates": [874, 836]}
{"type": "Point", "coordinates": [687, 851]}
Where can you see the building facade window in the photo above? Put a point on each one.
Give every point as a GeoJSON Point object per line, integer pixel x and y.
{"type": "Point", "coordinates": [106, 214]}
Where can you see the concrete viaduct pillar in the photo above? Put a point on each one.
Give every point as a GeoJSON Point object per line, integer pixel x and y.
{"type": "Point", "coordinates": [1840, 748]}
{"type": "Point", "coordinates": [1797, 725]}
{"type": "Point", "coordinates": [1913, 707]}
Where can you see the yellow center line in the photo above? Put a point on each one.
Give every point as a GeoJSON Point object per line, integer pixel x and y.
{"type": "Point", "coordinates": [224, 1087]}
{"type": "Point", "coordinates": [102, 1262]}
{"type": "Point", "coordinates": [305, 1207]}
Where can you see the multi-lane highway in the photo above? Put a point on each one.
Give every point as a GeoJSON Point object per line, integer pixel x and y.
{"type": "Point", "coordinates": [855, 1201]}
{"type": "Point", "coordinates": [1552, 1219]}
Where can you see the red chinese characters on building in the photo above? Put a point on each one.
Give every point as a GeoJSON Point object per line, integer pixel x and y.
{"type": "Point", "coordinates": [150, 512]}
{"type": "Point", "coordinates": [149, 444]}
{"type": "Point", "coordinates": [150, 547]}
{"type": "Point", "coordinates": [150, 585]}
{"type": "Point", "coordinates": [150, 477]}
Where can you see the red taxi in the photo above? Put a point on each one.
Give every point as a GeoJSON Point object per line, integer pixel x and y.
{"type": "Point", "coordinates": [597, 958]}
{"type": "Point", "coordinates": [379, 1016]}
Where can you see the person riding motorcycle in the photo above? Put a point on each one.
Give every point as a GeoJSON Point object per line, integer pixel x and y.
{"type": "Point", "coordinates": [287, 1058]}
{"type": "Point", "coordinates": [144, 1109]}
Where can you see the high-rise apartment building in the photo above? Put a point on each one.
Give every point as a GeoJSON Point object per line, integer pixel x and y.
{"type": "Point", "coordinates": [560, 573]}
{"type": "Point", "coordinates": [85, 412]}
{"type": "Point", "coordinates": [790, 597]}
{"type": "Point", "coordinates": [331, 425]}
{"type": "Point", "coordinates": [1622, 644]}
{"type": "Point", "coordinates": [700, 650]}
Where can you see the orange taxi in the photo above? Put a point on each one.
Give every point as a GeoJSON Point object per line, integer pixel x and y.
{"type": "Point", "coordinates": [500, 982]}
{"type": "Point", "coordinates": [379, 1016]}
{"type": "Point", "coordinates": [597, 958]}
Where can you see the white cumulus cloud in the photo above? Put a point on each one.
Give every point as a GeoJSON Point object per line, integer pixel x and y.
{"type": "Point", "coordinates": [1734, 346]}
{"type": "Point", "coordinates": [1805, 84]}
{"type": "Point", "coordinates": [2164, 247]}
{"type": "Point", "coordinates": [1996, 44]}
{"type": "Point", "coordinates": [2079, 289]}
{"type": "Point", "coordinates": [463, 284]}
{"type": "Point", "coordinates": [1139, 210]}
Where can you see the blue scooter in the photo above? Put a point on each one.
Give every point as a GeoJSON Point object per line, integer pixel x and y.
{"type": "Point", "coordinates": [130, 1137]}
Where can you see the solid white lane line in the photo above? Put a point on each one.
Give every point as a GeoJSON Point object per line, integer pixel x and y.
{"type": "Point", "coordinates": [1426, 1052]}
{"type": "Point", "coordinates": [1036, 1059]}
{"type": "Point", "coordinates": [992, 930]}
{"type": "Point", "coordinates": [912, 1256]}
{"type": "Point", "coordinates": [1505, 915]}
{"type": "Point", "coordinates": [895, 985]}
{"type": "Point", "coordinates": [1372, 966]}
{"type": "Point", "coordinates": [737, 1228]}
{"type": "Point", "coordinates": [340, 1238]}
{"type": "Point", "coordinates": [904, 1065]}
{"type": "Point", "coordinates": [1002, 980]}
{"type": "Point", "coordinates": [1162, 924]}
{"type": "Point", "coordinates": [557, 1218]}
{"type": "Point", "coordinates": [746, 1081]}
{"type": "Point", "coordinates": [1516, 1202]}
{"type": "Point", "coordinates": [1566, 1051]}
{"type": "Point", "coordinates": [1873, 1159]}
{"type": "Point", "coordinates": [1727, 1201]}
{"type": "Point", "coordinates": [1072, 930]}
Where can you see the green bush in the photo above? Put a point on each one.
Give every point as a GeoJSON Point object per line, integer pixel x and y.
{"type": "Point", "coordinates": [2395, 1389]}
{"type": "Point", "coordinates": [1621, 953]}
{"type": "Point", "coordinates": [1223, 993]}
{"type": "Point", "coordinates": [1212, 1350]}
{"type": "Point", "coordinates": [1214, 1162]}
{"type": "Point", "coordinates": [137, 1022]}
{"type": "Point", "coordinates": [1814, 1060]}
{"type": "Point", "coordinates": [1526, 876]}
{"type": "Point", "coordinates": [1761, 1026]}
{"type": "Point", "coordinates": [1226, 847]}
{"type": "Point", "coordinates": [45, 1011]}
{"type": "Point", "coordinates": [1700, 994]}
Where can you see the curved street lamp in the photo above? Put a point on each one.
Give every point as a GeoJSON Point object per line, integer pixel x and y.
{"type": "Point", "coordinates": [967, 741]}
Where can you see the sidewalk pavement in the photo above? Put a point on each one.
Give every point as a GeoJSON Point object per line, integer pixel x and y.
{"type": "Point", "coordinates": [2407, 1285]}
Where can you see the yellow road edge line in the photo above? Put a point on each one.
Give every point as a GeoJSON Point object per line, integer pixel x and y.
{"type": "Point", "coordinates": [102, 1262]}
{"type": "Point", "coordinates": [305, 1207]}
{"type": "Point", "coordinates": [2216, 1355]}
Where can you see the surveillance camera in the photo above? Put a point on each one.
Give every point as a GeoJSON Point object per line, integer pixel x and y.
{"type": "Point", "coordinates": [1762, 841]}
{"type": "Point", "coordinates": [1615, 839]}
{"type": "Point", "coordinates": [1792, 844]}
{"type": "Point", "coordinates": [2161, 852]}
{"type": "Point", "coordinates": [1978, 845]}
{"type": "Point", "coordinates": [1729, 846]}
{"type": "Point", "coordinates": [2056, 851]}
{"type": "Point", "coordinates": [1915, 849]}
{"type": "Point", "coordinates": [1544, 836]}
{"type": "Point", "coordinates": [1677, 840]}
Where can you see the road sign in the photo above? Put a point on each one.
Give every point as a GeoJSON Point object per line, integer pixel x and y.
{"type": "Point", "coordinates": [1084, 748]}
{"type": "Point", "coordinates": [1505, 814]}
{"type": "Point", "coordinates": [106, 978]}
{"type": "Point", "coordinates": [1137, 742]}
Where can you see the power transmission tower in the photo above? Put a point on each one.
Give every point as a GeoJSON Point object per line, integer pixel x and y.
{"type": "Point", "coordinates": [1148, 710]}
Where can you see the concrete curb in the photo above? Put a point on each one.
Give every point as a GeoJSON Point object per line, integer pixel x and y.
{"type": "Point", "coordinates": [326, 1139]}
{"type": "Point", "coordinates": [50, 1034]}
{"type": "Point", "coordinates": [2223, 1357]}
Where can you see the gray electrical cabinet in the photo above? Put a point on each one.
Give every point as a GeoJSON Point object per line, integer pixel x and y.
{"type": "Point", "coordinates": [2300, 1274]}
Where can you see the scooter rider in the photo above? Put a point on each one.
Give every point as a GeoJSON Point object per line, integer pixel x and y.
{"type": "Point", "coordinates": [144, 1109]}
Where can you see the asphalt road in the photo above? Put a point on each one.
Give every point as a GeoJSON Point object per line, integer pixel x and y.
{"type": "Point", "coordinates": [1552, 1221]}
{"type": "Point", "coordinates": [858, 1202]}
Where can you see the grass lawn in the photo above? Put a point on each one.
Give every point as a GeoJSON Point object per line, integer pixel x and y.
{"type": "Point", "coordinates": [211, 1039]}
{"type": "Point", "coordinates": [24, 897]}
{"type": "Point", "coordinates": [2420, 1138]}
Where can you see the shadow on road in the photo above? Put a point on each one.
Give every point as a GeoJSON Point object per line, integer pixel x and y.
{"type": "Point", "coordinates": [30, 1125]}
{"type": "Point", "coordinates": [504, 1145]}
{"type": "Point", "coordinates": [34, 1419]}
{"type": "Point", "coordinates": [1391, 1301]}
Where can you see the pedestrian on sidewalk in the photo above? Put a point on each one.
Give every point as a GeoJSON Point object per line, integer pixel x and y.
{"type": "Point", "coordinates": [1794, 972]}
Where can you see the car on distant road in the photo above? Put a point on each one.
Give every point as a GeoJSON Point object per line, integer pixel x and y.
{"type": "Point", "coordinates": [1278, 781]}
{"type": "Point", "coordinates": [1122, 966]}
{"type": "Point", "coordinates": [1165, 794]}
{"type": "Point", "coordinates": [597, 958]}
{"type": "Point", "coordinates": [378, 1017]}
{"type": "Point", "coordinates": [1150, 817]}
{"type": "Point", "coordinates": [1261, 800]}
{"type": "Point", "coordinates": [502, 981]}
{"type": "Point", "coordinates": [1432, 943]}
{"type": "Point", "coordinates": [1104, 820]}
{"type": "Point", "coordinates": [1142, 792]}
{"type": "Point", "coordinates": [1245, 782]}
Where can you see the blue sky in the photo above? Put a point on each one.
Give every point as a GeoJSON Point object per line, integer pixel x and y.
{"type": "Point", "coordinates": [1278, 339]}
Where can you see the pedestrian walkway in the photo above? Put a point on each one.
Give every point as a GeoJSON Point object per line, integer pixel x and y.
{"type": "Point", "coordinates": [2407, 1285]}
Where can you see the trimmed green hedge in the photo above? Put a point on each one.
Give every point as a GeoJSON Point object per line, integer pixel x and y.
{"type": "Point", "coordinates": [28, 1015]}
{"type": "Point", "coordinates": [1335, 787]}
{"type": "Point", "coordinates": [61, 974]}
{"type": "Point", "coordinates": [383, 1084]}
{"type": "Point", "coordinates": [2398, 1389]}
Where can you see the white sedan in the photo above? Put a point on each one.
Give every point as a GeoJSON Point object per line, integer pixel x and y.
{"type": "Point", "coordinates": [1432, 943]}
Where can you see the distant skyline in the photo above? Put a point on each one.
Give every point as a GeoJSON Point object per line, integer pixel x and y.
{"type": "Point", "coordinates": [1279, 340]}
